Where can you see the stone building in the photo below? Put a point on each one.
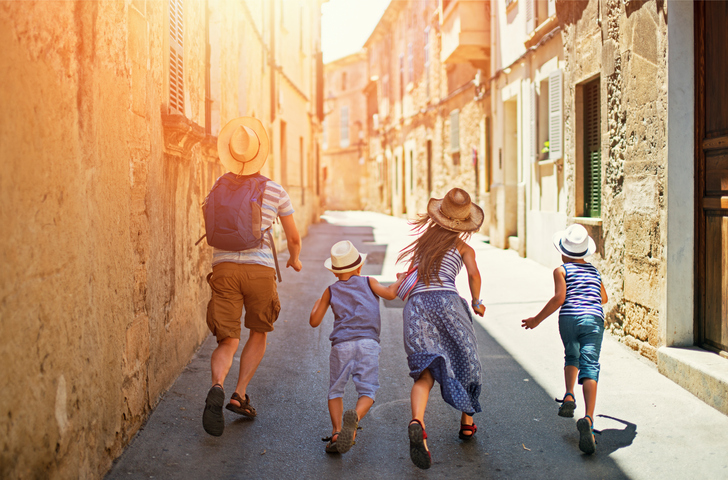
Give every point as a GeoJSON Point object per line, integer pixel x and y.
{"type": "Point", "coordinates": [342, 142]}
{"type": "Point", "coordinates": [645, 114]}
{"type": "Point", "coordinates": [111, 111]}
{"type": "Point", "coordinates": [427, 61]}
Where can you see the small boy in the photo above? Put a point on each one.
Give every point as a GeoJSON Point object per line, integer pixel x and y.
{"type": "Point", "coordinates": [354, 340]}
{"type": "Point", "coordinates": [580, 293]}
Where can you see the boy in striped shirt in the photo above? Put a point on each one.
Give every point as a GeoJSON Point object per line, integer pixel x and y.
{"type": "Point", "coordinates": [580, 293]}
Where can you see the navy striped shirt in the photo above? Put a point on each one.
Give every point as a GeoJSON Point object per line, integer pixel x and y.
{"type": "Point", "coordinates": [451, 264]}
{"type": "Point", "coordinates": [275, 203]}
{"type": "Point", "coordinates": [583, 290]}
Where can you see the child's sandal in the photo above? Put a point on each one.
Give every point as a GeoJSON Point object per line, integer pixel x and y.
{"type": "Point", "coordinates": [567, 406]}
{"type": "Point", "coordinates": [331, 445]}
{"type": "Point", "coordinates": [467, 428]}
{"type": "Point", "coordinates": [587, 443]}
{"type": "Point", "coordinates": [419, 454]}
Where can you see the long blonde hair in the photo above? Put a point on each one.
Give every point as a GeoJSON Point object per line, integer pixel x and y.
{"type": "Point", "coordinates": [430, 247]}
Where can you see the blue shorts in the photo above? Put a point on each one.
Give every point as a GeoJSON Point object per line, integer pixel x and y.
{"type": "Point", "coordinates": [358, 358]}
{"type": "Point", "coordinates": [582, 336]}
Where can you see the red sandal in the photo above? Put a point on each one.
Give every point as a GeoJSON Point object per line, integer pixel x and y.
{"type": "Point", "coordinates": [419, 454]}
{"type": "Point", "coordinates": [467, 428]}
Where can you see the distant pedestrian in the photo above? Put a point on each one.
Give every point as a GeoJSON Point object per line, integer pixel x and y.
{"type": "Point", "coordinates": [580, 293]}
{"type": "Point", "coordinates": [239, 214]}
{"type": "Point", "coordinates": [354, 300]}
{"type": "Point", "coordinates": [439, 337]}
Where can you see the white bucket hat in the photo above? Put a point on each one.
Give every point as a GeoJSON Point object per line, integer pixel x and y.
{"type": "Point", "coordinates": [345, 258]}
{"type": "Point", "coordinates": [574, 242]}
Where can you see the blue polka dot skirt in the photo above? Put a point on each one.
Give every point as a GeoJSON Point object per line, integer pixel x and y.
{"type": "Point", "coordinates": [439, 336]}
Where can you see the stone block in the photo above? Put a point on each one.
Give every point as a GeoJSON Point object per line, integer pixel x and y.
{"type": "Point", "coordinates": [638, 234]}
{"type": "Point", "coordinates": [641, 195]}
{"type": "Point", "coordinates": [609, 55]}
{"type": "Point", "coordinates": [642, 281]}
{"type": "Point", "coordinates": [644, 36]}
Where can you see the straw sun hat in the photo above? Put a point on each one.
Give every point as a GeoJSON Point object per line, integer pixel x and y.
{"type": "Point", "coordinates": [243, 145]}
{"type": "Point", "coordinates": [345, 258]}
{"type": "Point", "coordinates": [455, 212]}
{"type": "Point", "coordinates": [574, 242]}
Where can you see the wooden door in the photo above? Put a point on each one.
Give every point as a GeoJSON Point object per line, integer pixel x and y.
{"type": "Point", "coordinates": [711, 106]}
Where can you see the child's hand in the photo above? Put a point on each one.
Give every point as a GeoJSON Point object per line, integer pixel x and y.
{"type": "Point", "coordinates": [530, 323]}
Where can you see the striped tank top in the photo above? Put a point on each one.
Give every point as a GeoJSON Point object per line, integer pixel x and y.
{"type": "Point", "coordinates": [451, 264]}
{"type": "Point", "coordinates": [583, 290]}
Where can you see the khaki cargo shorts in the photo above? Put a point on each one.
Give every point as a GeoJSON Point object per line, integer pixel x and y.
{"type": "Point", "coordinates": [235, 286]}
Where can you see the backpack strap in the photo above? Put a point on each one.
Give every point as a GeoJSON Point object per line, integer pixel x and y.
{"type": "Point", "coordinates": [275, 255]}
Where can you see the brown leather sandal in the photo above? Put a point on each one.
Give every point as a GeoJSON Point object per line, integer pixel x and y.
{"type": "Point", "coordinates": [245, 407]}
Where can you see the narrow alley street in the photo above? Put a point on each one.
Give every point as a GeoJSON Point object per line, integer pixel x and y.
{"type": "Point", "coordinates": [651, 428]}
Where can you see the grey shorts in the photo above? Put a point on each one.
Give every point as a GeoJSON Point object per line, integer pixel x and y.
{"type": "Point", "coordinates": [358, 358]}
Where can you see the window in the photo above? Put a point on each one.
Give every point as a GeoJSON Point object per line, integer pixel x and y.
{"type": "Point", "coordinates": [592, 151]}
{"type": "Point", "coordinates": [401, 76]}
{"type": "Point", "coordinates": [410, 63]}
{"type": "Point", "coordinates": [176, 58]}
{"type": "Point", "coordinates": [343, 80]}
{"type": "Point", "coordinates": [344, 127]}
{"type": "Point", "coordinates": [427, 61]}
{"type": "Point", "coordinates": [324, 135]}
{"type": "Point", "coordinates": [455, 136]}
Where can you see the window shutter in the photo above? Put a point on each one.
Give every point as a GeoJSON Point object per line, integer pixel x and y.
{"type": "Point", "coordinates": [344, 127]}
{"type": "Point", "coordinates": [533, 127]}
{"type": "Point", "coordinates": [455, 131]}
{"type": "Point", "coordinates": [592, 151]}
{"type": "Point", "coordinates": [530, 17]}
{"type": "Point", "coordinates": [552, 8]}
{"type": "Point", "coordinates": [176, 56]}
{"type": "Point", "coordinates": [555, 122]}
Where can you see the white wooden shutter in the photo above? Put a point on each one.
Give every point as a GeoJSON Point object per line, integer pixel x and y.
{"type": "Point", "coordinates": [533, 126]}
{"type": "Point", "coordinates": [530, 17]}
{"type": "Point", "coordinates": [555, 114]}
{"type": "Point", "coordinates": [552, 8]}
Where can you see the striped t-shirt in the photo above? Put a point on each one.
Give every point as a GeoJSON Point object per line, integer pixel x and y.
{"type": "Point", "coordinates": [276, 202]}
{"type": "Point", "coordinates": [583, 290]}
{"type": "Point", "coordinates": [451, 264]}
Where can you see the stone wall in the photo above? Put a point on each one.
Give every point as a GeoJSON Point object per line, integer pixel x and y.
{"type": "Point", "coordinates": [626, 46]}
{"type": "Point", "coordinates": [103, 289]}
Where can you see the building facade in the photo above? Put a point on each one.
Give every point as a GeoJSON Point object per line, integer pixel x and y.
{"type": "Point", "coordinates": [343, 144]}
{"type": "Point", "coordinates": [109, 149]}
{"type": "Point", "coordinates": [426, 104]}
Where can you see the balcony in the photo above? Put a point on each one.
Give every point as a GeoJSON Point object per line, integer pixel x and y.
{"type": "Point", "coordinates": [465, 26]}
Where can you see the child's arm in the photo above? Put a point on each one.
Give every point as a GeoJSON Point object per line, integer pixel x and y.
{"type": "Point", "coordinates": [389, 292]}
{"type": "Point", "coordinates": [605, 298]}
{"type": "Point", "coordinates": [552, 305]}
{"type": "Point", "coordinates": [468, 254]}
{"type": "Point", "coordinates": [319, 309]}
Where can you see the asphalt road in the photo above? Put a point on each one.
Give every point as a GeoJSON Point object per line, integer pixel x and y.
{"type": "Point", "coordinates": [519, 436]}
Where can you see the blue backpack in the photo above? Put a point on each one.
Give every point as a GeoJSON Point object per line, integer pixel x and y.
{"type": "Point", "coordinates": [233, 214]}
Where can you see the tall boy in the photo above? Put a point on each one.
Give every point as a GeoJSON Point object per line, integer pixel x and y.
{"type": "Point", "coordinates": [580, 293]}
{"type": "Point", "coordinates": [354, 340]}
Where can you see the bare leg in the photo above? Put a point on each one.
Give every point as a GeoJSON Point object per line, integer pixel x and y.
{"type": "Point", "coordinates": [570, 375]}
{"type": "Point", "coordinates": [363, 404]}
{"type": "Point", "coordinates": [466, 419]}
{"type": "Point", "coordinates": [222, 359]}
{"type": "Point", "coordinates": [336, 410]}
{"type": "Point", "coordinates": [250, 358]}
{"type": "Point", "coordinates": [589, 387]}
{"type": "Point", "coordinates": [419, 396]}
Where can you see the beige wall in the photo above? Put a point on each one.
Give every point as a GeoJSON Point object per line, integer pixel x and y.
{"type": "Point", "coordinates": [103, 288]}
{"type": "Point", "coordinates": [625, 45]}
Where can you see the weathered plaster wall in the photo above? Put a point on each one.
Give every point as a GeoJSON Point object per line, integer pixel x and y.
{"type": "Point", "coordinates": [626, 46]}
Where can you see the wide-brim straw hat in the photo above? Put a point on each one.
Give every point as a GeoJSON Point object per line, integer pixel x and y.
{"type": "Point", "coordinates": [345, 258]}
{"type": "Point", "coordinates": [574, 242]}
{"type": "Point", "coordinates": [455, 212]}
{"type": "Point", "coordinates": [243, 146]}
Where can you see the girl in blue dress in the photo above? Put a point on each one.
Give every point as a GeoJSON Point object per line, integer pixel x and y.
{"type": "Point", "coordinates": [439, 337]}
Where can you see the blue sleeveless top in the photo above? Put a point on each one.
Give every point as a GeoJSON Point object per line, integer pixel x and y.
{"type": "Point", "coordinates": [451, 264]}
{"type": "Point", "coordinates": [583, 290]}
{"type": "Point", "coordinates": [356, 310]}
